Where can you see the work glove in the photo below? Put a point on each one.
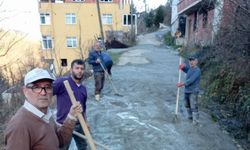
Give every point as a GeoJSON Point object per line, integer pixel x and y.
{"type": "Point", "coordinates": [180, 84]}
{"type": "Point", "coordinates": [98, 60]}
{"type": "Point", "coordinates": [181, 66]}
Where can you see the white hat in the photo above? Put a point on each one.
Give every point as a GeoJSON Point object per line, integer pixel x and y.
{"type": "Point", "coordinates": [37, 74]}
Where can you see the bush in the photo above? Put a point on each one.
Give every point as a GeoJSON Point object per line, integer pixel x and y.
{"type": "Point", "coordinates": [169, 40]}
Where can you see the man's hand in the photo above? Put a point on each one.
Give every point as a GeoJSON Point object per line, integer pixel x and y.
{"type": "Point", "coordinates": [181, 66]}
{"type": "Point", "coordinates": [180, 84]}
{"type": "Point", "coordinates": [75, 109]}
{"type": "Point", "coordinates": [98, 60]}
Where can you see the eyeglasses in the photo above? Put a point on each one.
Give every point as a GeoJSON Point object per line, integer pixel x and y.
{"type": "Point", "coordinates": [38, 90]}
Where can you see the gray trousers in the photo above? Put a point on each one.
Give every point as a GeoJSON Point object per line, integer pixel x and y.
{"type": "Point", "coordinates": [191, 104]}
{"type": "Point", "coordinates": [99, 81]}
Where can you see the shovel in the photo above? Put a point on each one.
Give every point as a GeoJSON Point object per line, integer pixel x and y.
{"type": "Point", "coordinates": [110, 80]}
{"type": "Point", "coordinates": [177, 95]}
{"type": "Point", "coordinates": [79, 116]}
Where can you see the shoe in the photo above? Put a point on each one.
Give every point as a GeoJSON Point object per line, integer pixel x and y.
{"type": "Point", "coordinates": [196, 123]}
{"type": "Point", "coordinates": [97, 97]}
{"type": "Point", "coordinates": [190, 119]}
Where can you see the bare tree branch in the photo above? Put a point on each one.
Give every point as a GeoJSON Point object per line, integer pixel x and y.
{"type": "Point", "coordinates": [11, 44]}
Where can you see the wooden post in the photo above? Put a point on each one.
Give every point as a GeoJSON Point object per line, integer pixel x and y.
{"type": "Point", "coordinates": [100, 20]}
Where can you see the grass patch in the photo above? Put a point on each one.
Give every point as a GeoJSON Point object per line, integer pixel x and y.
{"type": "Point", "coordinates": [115, 56]}
{"type": "Point", "coordinates": [214, 118]}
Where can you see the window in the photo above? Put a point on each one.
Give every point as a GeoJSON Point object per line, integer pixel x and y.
{"type": "Point", "coordinates": [204, 19]}
{"type": "Point", "coordinates": [78, 0]}
{"type": "Point", "coordinates": [71, 42]}
{"type": "Point", "coordinates": [44, 18]}
{"type": "Point", "coordinates": [70, 18]}
{"type": "Point", "coordinates": [107, 19]}
{"type": "Point", "coordinates": [127, 19]}
{"type": "Point", "coordinates": [64, 63]}
{"type": "Point", "coordinates": [106, 0]}
{"type": "Point", "coordinates": [47, 42]}
{"type": "Point", "coordinates": [195, 21]}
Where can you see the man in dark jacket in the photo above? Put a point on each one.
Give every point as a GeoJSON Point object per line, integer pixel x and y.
{"type": "Point", "coordinates": [95, 59]}
{"type": "Point", "coordinates": [191, 84]}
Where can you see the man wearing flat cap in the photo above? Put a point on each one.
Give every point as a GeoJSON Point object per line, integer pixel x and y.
{"type": "Point", "coordinates": [32, 127]}
{"type": "Point", "coordinates": [191, 84]}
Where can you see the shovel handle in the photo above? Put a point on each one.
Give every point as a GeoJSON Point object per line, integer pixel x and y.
{"type": "Point", "coordinates": [79, 116]}
{"type": "Point", "coordinates": [178, 90]}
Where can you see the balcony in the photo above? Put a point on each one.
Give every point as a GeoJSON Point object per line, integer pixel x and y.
{"type": "Point", "coordinates": [187, 6]}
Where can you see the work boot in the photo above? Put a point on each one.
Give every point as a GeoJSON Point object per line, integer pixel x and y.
{"type": "Point", "coordinates": [189, 113]}
{"type": "Point", "coordinates": [196, 118]}
{"type": "Point", "coordinates": [97, 97]}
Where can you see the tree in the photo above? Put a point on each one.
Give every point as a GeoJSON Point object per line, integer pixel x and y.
{"type": "Point", "coordinates": [149, 19]}
{"type": "Point", "coordinates": [159, 16]}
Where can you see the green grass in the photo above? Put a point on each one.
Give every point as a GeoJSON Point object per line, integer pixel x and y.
{"type": "Point", "coordinates": [115, 56]}
{"type": "Point", "coordinates": [214, 118]}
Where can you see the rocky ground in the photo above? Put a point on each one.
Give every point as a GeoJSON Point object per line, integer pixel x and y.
{"type": "Point", "coordinates": [143, 117]}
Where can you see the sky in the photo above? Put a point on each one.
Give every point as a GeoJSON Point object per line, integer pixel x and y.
{"type": "Point", "coordinates": [151, 4]}
{"type": "Point", "coordinates": [23, 15]}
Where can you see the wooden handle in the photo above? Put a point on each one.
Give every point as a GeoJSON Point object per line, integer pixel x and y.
{"type": "Point", "coordinates": [79, 116]}
{"type": "Point", "coordinates": [84, 137]}
{"type": "Point", "coordinates": [178, 90]}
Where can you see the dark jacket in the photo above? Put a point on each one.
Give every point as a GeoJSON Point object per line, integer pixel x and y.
{"type": "Point", "coordinates": [107, 59]}
{"type": "Point", "coordinates": [193, 76]}
{"type": "Point", "coordinates": [93, 56]}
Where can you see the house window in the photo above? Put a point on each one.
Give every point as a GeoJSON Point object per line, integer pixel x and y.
{"type": "Point", "coordinates": [70, 18]}
{"type": "Point", "coordinates": [78, 0]}
{"type": "Point", "coordinates": [64, 63]}
{"type": "Point", "coordinates": [44, 18]}
{"type": "Point", "coordinates": [71, 42]}
{"type": "Point", "coordinates": [204, 19]}
{"type": "Point", "coordinates": [127, 19]}
{"type": "Point", "coordinates": [47, 42]}
{"type": "Point", "coordinates": [106, 0]}
{"type": "Point", "coordinates": [107, 19]}
{"type": "Point", "coordinates": [195, 21]}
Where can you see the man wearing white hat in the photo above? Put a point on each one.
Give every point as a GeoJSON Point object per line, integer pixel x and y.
{"type": "Point", "coordinates": [32, 127]}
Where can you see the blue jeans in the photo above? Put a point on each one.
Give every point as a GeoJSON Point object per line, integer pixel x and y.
{"type": "Point", "coordinates": [81, 144]}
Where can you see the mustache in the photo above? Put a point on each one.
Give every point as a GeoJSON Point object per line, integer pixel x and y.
{"type": "Point", "coordinates": [43, 98]}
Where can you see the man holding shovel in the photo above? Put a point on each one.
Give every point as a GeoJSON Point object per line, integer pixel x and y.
{"type": "Point", "coordinates": [191, 84]}
{"type": "Point", "coordinates": [95, 59]}
{"type": "Point", "coordinates": [64, 102]}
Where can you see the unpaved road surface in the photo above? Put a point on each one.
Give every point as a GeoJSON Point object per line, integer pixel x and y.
{"type": "Point", "coordinates": [143, 119]}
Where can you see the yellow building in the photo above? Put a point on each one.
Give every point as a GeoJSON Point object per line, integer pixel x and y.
{"type": "Point", "coordinates": [70, 27]}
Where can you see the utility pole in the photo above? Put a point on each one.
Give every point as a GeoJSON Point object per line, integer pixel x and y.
{"type": "Point", "coordinates": [145, 3]}
{"type": "Point", "coordinates": [100, 20]}
{"type": "Point", "coordinates": [132, 21]}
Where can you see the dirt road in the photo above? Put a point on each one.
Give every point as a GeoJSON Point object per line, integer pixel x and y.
{"type": "Point", "coordinates": [143, 118]}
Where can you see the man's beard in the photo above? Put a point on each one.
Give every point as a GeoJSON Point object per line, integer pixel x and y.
{"type": "Point", "coordinates": [76, 78]}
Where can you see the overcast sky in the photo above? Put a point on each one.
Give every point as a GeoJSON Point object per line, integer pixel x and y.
{"type": "Point", "coordinates": [23, 15]}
